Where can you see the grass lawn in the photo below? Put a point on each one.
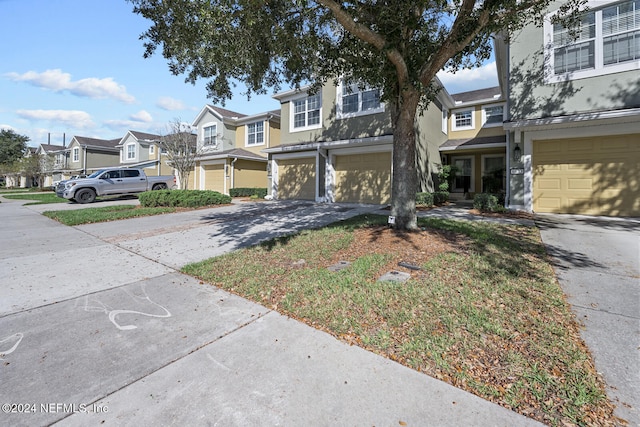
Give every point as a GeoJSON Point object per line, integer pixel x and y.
{"type": "Point", "coordinates": [109, 213]}
{"type": "Point", "coordinates": [38, 199]}
{"type": "Point", "coordinates": [484, 313]}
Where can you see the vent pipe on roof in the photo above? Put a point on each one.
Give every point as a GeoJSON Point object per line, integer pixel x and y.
{"type": "Point", "coordinates": [64, 140]}
{"type": "Point", "coordinates": [49, 138]}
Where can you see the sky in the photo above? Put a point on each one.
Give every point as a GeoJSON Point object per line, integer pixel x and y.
{"type": "Point", "coordinates": [76, 68]}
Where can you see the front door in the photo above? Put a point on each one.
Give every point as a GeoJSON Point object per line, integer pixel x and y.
{"type": "Point", "coordinates": [464, 175]}
{"type": "Point", "coordinates": [493, 173]}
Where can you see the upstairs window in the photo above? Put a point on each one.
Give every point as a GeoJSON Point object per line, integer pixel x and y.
{"type": "Point", "coordinates": [606, 41]}
{"type": "Point", "coordinates": [353, 100]}
{"type": "Point", "coordinates": [210, 136]}
{"type": "Point", "coordinates": [463, 120]}
{"type": "Point", "coordinates": [152, 149]}
{"type": "Point", "coordinates": [131, 151]}
{"type": "Point", "coordinates": [492, 115]}
{"type": "Point", "coordinates": [255, 133]}
{"type": "Point", "coordinates": [76, 154]}
{"type": "Point", "coordinates": [306, 112]}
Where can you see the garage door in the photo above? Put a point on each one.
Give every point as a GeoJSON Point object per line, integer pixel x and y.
{"type": "Point", "coordinates": [363, 178]}
{"type": "Point", "coordinates": [214, 178]}
{"type": "Point", "coordinates": [297, 179]}
{"type": "Point", "coordinates": [591, 176]}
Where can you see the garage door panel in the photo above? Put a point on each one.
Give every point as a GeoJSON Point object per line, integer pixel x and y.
{"type": "Point", "coordinates": [363, 178]}
{"type": "Point", "coordinates": [296, 179]}
{"type": "Point", "coordinates": [214, 178]}
{"type": "Point", "coordinates": [593, 176]}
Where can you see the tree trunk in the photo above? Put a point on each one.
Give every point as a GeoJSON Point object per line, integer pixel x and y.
{"type": "Point", "coordinates": [405, 176]}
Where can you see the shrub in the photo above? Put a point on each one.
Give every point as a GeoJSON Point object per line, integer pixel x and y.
{"type": "Point", "coordinates": [487, 203]}
{"type": "Point", "coordinates": [440, 197]}
{"type": "Point", "coordinates": [424, 199]}
{"type": "Point", "coordinates": [248, 192]}
{"type": "Point", "coordinates": [182, 198]}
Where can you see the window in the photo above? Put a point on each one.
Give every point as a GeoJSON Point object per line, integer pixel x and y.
{"type": "Point", "coordinates": [130, 173]}
{"type": "Point", "coordinates": [131, 151]}
{"type": "Point", "coordinates": [152, 149]}
{"type": "Point", "coordinates": [354, 101]}
{"type": "Point", "coordinates": [76, 154]}
{"type": "Point", "coordinates": [306, 112]}
{"type": "Point", "coordinates": [492, 115]}
{"type": "Point", "coordinates": [210, 136]}
{"type": "Point", "coordinates": [463, 120]}
{"type": "Point", "coordinates": [606, 41]}
{"type": "Point", "coordinates": [445, 118]}
{"type": "Point", "coordinates": [255, 133]}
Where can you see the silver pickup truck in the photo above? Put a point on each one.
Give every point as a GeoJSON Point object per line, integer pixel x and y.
{"type": "Point", "coordinates": [112, 181]}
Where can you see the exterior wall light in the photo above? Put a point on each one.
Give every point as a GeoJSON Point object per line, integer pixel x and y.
{"type": "Point", "coordinates": [517, 153]}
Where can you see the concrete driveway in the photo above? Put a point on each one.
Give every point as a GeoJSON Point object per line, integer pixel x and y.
{"type": "Point", "coordinates": [98, 327]}
{"type": "Point", "coordinates": [597, 261]}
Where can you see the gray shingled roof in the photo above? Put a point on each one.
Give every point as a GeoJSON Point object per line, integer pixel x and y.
{"type": "Point", "coordinates": [95, 142]}
{"type": "Point", "coordinates": [145, 136]}
{"type": "Point", "coordinates": [474, 142]}
{"type": "Point", "coordinates": [51, 147]}
{"type": "Point", "coordinates": [227, 113]}
{"type": "Point", "coordinates": [476, 95]}
{"type": "Point", "coordinates": [234, 152]}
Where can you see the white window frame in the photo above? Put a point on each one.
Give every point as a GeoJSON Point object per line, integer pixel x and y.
{"type": "Point", "coordinates": [599, 68]}
{"type": "Point", "coordinates": [130, 154]}
{"type": "Point", "coordinates": [152, 149]}
{"type": "Point", "coordinates": [454, 125]}
{"type": "Point", "coordinates": [484, 115]}
{"type": "Point", "coordinates": [359, 93]}
{"type": "Point", "coordinates": [445, 121]}
{"type": "Point", "coordinates": [255, 133]}
{"type": "Point", "coordinates": [76, 154]}
{"type": "Point", "coordinates": [213, 138]}
{"type": "Point", "coordinates": [292, 113]}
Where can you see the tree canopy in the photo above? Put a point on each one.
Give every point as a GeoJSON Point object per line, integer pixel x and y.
{"type": "Point", "coordinates": [12, 146]}
{"type": "Point", "coordinates": [397, 46]}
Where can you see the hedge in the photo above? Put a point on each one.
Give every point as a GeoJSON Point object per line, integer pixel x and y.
{"type": "Point", "coordinates": [486, 202]}
{"type": "Point", "coordinates": [431, 199]}
{"type": "Point", "coordinates": [248, 192]}
{"type": "Point", "coordinates": [182, 198]}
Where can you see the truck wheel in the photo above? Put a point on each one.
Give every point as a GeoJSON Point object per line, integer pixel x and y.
{"type": "Point", "coordinates": [86, 195]}
{"type": "Point", "coordinates": [159, 187]}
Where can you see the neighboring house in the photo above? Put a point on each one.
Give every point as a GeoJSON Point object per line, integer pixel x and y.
{"type": "Point", "coordinates": [84, 156]}
{"type": "Point", "coordinates": [336, 146]}
{"type": "Point", "coordinates": [574, 113]}
{"type": "Point", "coordinates": [52, 160]}
{"type": "Point", "coordinates": [142, 150]}
{"type": "Point", "coordinates": [476, 143]}
{"type": "Point", "coordinates": [230, 146]}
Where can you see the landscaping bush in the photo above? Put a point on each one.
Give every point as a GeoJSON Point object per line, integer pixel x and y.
{"type": "Point", "coordinates": [182, 198]}
{"type": "Point", "coordinates": [440, 197]}
{"type": "Point", "coordinates": [486, 202]}
{"type": "Point", "coordinates": [424, 199]}
{"type": "Point", "coordinates": [248, 192]}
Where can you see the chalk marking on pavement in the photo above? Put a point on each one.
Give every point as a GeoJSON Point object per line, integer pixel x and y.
{"type": "Point", "coordinates": [19, 336]}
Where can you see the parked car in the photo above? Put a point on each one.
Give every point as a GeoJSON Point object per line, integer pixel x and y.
{"type": "Point", "coordinates": [112, 181]}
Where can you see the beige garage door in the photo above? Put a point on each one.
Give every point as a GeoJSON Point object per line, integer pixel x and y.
{"type": "Point", "coordinates": [363, 178]}
{"type": "Point", "coordinates": [297, 179]}
{"type": "Point", "coordinates": [214, 178]}
{"type": "Point", "coordinates": [591, 176]}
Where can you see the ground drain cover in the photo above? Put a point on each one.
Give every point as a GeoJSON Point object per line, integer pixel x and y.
{"type": "Point", "coordinates": [340, 265]}
{"type": "Point", "coordinates": [394, 276]}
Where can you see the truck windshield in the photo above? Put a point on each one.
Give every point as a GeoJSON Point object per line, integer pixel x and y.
{"type": "Point", "coordinates": [96, 173]}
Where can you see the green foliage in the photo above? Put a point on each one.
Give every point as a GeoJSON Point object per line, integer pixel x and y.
{"type": "Point", "coordinates": [182, 198]}
{"type": "Point", "coordinates": [424, 199]}
{"type": "Point", "coordinates": [486, 202]}
{"type": "Point", "coordinates": [110, 213]}
{"type": "Point", "coordinates": [440, 197]}
{"type": "Point", "coordinates": [248, 192]}
{"type": "Point", "coordinates": [12, 147]}
{"type": "Point", "coordinates": [445, 177]}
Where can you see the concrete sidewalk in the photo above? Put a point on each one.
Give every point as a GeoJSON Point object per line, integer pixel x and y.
{"type": "Point", "coordinates": [98, 327]}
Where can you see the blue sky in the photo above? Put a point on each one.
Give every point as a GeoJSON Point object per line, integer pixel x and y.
{"type": "Point", "coordinates": [75, 67]}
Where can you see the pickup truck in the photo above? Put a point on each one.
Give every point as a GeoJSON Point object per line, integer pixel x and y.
{"type": "Point", "coordinates": [112, 181]}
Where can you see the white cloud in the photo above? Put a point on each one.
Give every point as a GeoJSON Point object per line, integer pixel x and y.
{"type": "Point", "coordinates": [58, 81]}
{"type": "Point", "coordinates": [141, 116]}
{"type": "Point", "coordinates": [74, 118]}
{"type": "Point", "coordinates": [470, 79]}
{"type": "Point", "coordinates": [7, 127]}
{"type": "Point", "coordinates": [170, 104]}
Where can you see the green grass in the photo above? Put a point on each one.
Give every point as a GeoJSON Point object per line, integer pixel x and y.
{"type": "Point", "coordinates": [488, 317]}
{"type": "Point", "coordinates": [109, 213]}
{"type": "Point", "coordinates": [39, 199]}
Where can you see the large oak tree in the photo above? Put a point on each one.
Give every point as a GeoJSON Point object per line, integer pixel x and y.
{"type": "Point", "coordinates": [397, 46]}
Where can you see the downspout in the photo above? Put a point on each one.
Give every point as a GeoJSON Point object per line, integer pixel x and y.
{"type": "Point", "coordinates": [84, 160]}
{"type": "Point", "coordinates": [507, 199]}
{"type": "Point", "coordinates": [233, 172]}
{"type": "Point", "coordinates": [326, 174]}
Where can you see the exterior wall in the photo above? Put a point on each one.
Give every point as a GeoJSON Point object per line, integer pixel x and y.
{"type": "Point", "coordinates": [429, 138]}
{"type": "Point", "coordinates": [226, 134]}
{"type": "Point", "coordinates": [530, 97]}
{"type": "Point", "coordinates": [141, 150]}
{"type": "Point", "coordinates": [249, 174]}
{"type": "Point", "coordinates": [97, 159]}
{"type": "Point", "coordinates": [275, 133]}
{"type": "Point", "coordinates": [479, 130]}
{"type": "Point", "coordinates": [333, 129]}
